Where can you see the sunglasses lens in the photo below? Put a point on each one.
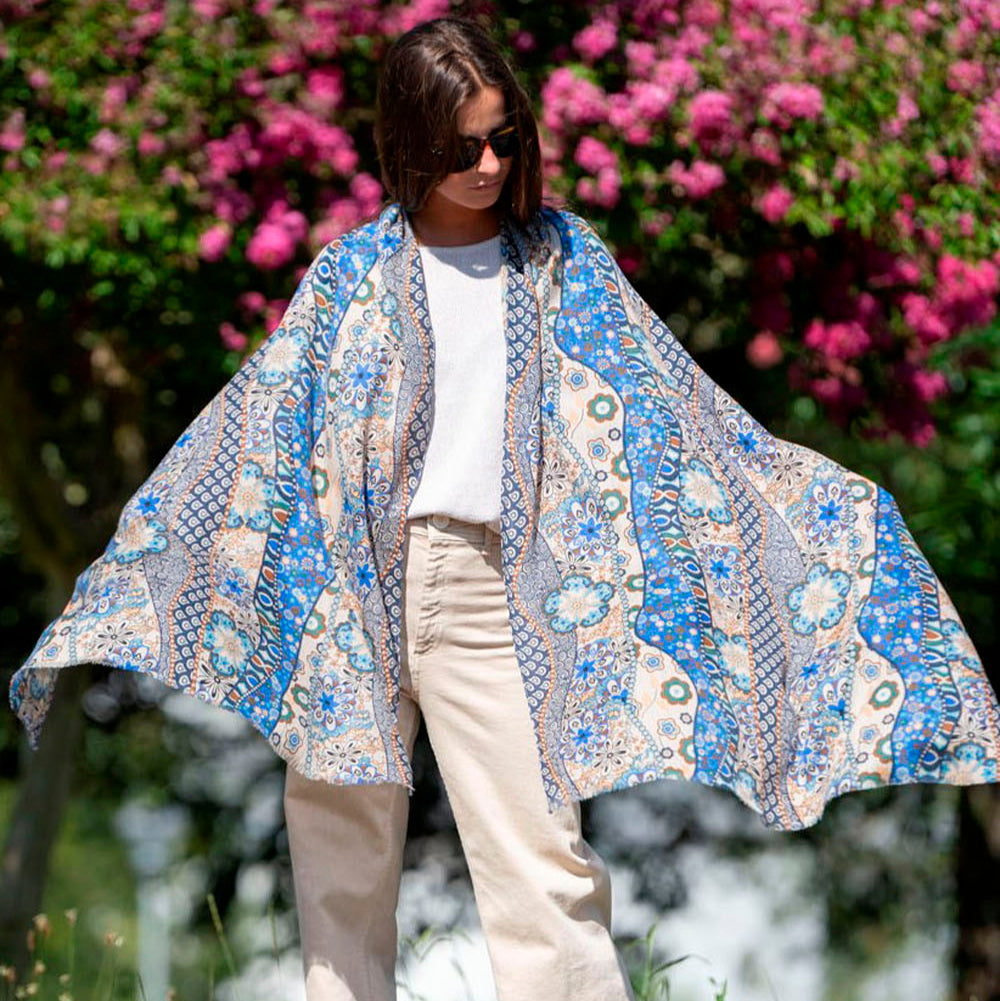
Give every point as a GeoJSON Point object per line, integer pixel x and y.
{"type": "Point", "coordinates": [503, 143]}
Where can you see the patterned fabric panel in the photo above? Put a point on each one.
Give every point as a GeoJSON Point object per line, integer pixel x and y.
{"type": "Point", "coordinates": [690, 597]}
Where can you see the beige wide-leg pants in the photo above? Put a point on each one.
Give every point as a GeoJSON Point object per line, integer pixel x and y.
{"type": "Point", "coordinates": [543, 894]}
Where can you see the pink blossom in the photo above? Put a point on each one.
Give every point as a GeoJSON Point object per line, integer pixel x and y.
{"type": "Point", "coordinates": [988, 126]}
{"type": "Point", "coordinates": [784, 102]}
{"type": "Point", "coordinates": [842, 340]}
{"type": "Point", "coordinates": [711, 118]}
{"type": "Point", "coordinates": [214, 242]}
{"type": "Point", "coordinates": [326, 85]}
{"type": "Point", "coordinates": [651, 101]}
{"type": "Point", "coordinates": [291, 220]}
{"type": "Point", "coordinates": [367, 191]}
{"type": "Point", "coordinates": [929, 385]}
{"type": "Point", "coordinates": [640, 58]}
{"type": "Point", "coordinates": [920, 23]}
{"type": "Point", "coordinates": [286, 61]}
{"type": "Point", "coordinates": [400, 19]}
{"type": "Point", "coordinates": [38, 79]}
{"type": "Point", "coordinates": [209, 10]}
{"type": "Point", "coordinates": [274, 311]}
{"type": "Point", "coordinates": [172, 175]}
{"type": "Point", "coordinates": [764, 350]}
{"type": "Point", "coordinates": [765, 146]}
{"type": "Point", "coordinates": [523, 41]}
{"type": "Point", "coordinates": [775, 203]}
{"type": "Point", "coordinates": [609, 184]}
{"type": "Point", "coordinates": [655, 224]}
{"type": "Point", "coordinates": [966, 76]}
{"type": "Point", "coordinates": [966, 291]}
{"type": "Point", "coordinates": [270, 246]}
{"type": "Point", "coordinates": [906, 112]}
{"type": "Point", "coordinates": [12, 133]}
{"type": "Point", "coordinates": [113, 100]}
{"type": "Point", "coordinates": [962, 169]}
{"type": "Point", "coordinates": [966, 223]}
{"type": "Point", "coordinates": [596, 40]}
{"type": "Point", "coordinates": [107, 143]}
{"type": "Point", "coordinates": [251, 303]}
{"type": "Point", "coordinates": [593, 155]}
{"type": "Point", "coordinates": [903, 222]}
{"type": "Point", "coordinates": [921, 316]}
{"type": "Point", "coordinates": [699, 181]}
{"type": "Point", "coordinates": [232, 339]}
{"type": "Point", "coordinates": [147, 25]}
{"type": "Point", "coordinates": [568, 100]}
{"type": "Point", "coordinates": [845, 170]}
{"type": "Point", "coordinates": [150, 144]}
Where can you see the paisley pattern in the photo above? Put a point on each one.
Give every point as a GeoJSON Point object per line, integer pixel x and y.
{"type": "Point", "coordinates": [691, 597]}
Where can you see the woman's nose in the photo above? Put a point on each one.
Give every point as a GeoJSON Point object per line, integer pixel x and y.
{"type": "Point", "coordinates": [489, 162]}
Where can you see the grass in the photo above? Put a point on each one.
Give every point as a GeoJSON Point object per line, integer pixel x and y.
{"type": "Point", "coordinates": [44, 982]}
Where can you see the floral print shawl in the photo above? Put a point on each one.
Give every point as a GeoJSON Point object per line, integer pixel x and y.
{"type": "Point", "coordinates": [690, 597]}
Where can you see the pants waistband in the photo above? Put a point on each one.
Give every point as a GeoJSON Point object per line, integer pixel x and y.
{"type": "Point", "coordinates": [445, 524]}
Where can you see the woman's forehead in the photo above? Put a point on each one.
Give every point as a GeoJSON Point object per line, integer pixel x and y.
{"type": "Point", "coordinates": [482, 113]}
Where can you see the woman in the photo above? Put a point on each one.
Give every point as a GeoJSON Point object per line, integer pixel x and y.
{"type": "Point", "coordinates": [543, 894]}
{"type": "Point", "coordinates": [472, 476]}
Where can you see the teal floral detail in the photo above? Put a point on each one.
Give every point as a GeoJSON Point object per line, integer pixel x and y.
{"type": "Point", "coordinates": [579, 602]}
{"type": "Point", "coordinates": [602, 407]}
{"type": "Point", "coordinates": [251, 504]}
{"type": "Point", "coordinates": [351, 638]}
{"type": "Point", "coordinates": [138, 537]}
{"type": "Point", "coordinates": [230, 647]}
{"type": "Point", "coordinates": [283, 357]}
{"type": "Point", "coordinates": [735, 657]}
{"type": "Point", "coordinates": [819, 602]}
{"type": "Point", "coordinates": [702, 494]}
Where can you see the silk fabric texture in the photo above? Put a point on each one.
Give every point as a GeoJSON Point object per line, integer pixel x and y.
{"type": "Point", "coordinates": [690, 596]}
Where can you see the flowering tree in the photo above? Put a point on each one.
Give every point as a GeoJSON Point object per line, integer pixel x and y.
{"type": "Point", "coordinates": [813, 183]}
{"type": "Point", "coordinates": [823, 177]}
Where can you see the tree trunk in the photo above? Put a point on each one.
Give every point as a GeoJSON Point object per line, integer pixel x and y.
{"type": "Point", "coordinates": [42, 794]}
{"type": "Point", "coordinates": [977, 955]}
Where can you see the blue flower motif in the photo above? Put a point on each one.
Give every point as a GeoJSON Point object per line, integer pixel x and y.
{"type": "Point", "coordinates": [148, 503]}
{"type": "Point", "coordinates": [820, 600]}
{"type": "Point", "coordinates": [582, 527]}
{"type": "Point", "coordinates": [364, 371]}
{"type": "Point", "coordinates": [828, 511]}
{"type": "Point", "coordinates": [724, 572]}
{"type": "Point", "coordinates": [749, 442]}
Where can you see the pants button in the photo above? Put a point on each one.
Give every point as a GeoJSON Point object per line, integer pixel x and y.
{"type": "Point", "coordinates": [440, 520]}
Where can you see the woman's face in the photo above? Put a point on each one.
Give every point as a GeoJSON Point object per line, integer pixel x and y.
{"type": "Point", "coordinates": [480, 185]}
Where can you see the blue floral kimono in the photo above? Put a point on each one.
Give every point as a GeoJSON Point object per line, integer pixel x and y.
{"type": "Point", "coordinates": [690, 597]}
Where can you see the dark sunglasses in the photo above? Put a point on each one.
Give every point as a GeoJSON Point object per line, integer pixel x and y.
{"type": "Point", "coordinates": [503, 141]}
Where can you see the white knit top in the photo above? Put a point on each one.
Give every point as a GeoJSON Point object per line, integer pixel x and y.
{"type": "Point", "coordinates": [462, 466]}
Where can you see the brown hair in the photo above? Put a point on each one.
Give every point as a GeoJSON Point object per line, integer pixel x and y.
{"type": "Point", "coordinates": [425, 76]}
